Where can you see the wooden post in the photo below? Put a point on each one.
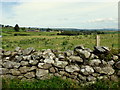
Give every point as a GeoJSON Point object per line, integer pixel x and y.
{"type": "Point", "coordinates": [97, 40]}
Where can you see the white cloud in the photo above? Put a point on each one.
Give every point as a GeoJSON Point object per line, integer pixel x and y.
{"type": "Point", "coordinates": [60, 0]}
{"type": "Point", "coordinates": [54, 14]}
{"type": "Point", "coordinates": [103, 20]}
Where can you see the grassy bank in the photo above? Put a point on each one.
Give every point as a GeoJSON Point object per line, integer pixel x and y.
{"type": "Point", "coordinates": [57, 82]}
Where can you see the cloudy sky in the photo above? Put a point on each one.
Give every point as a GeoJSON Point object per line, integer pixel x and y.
{"type": "Point", "coordinates": [60, 13]}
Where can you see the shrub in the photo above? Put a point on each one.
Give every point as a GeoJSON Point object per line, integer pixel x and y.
{"type": "Point", "coordinates": [64, 42]}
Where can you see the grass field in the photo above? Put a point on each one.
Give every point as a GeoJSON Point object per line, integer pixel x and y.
{"type": "Point", "coordinates": [58, 83]}
{"type": "Point", "coordinates": [45, 40]}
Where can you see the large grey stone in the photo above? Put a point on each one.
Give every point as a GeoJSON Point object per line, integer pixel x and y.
{"type": "Point", "coordinates": [28, 51]}
{"type": "Point", "coordinates": [114, 78]}
{"type": "Point", "coordinates": [62, 73]}
{"type": "Point", "coordinates": [61, 57]}
{"type": "Point", "coordinates": [7, 53]}
{"type": "Point", "coordinates": [104, 63]}
{"type": "Point", "coordinates": [106, 48]}
{"type": "Point", "coordinates": [35, 57]}
{"type": "Point", "coordinates": [89, 50]}
{"type": "Point", "coordinates": [48, 54]}
{"type": "Point", "coordinates": [87, 70]}
{"type": "Point", "coordinates": [40, 65]}
{"type": "Point", "coordinates": [76, 58]}
{"type": "Point", "coordinates": [24, 69]}
{"type": "Point", "coordinates": [8, 64]}
{"type": "Point", "coordinates": [16, 65]}
{"type": "Point", "coordinates": [84, 53]}
{"type": "Point", "coordinates": [73, 77]}
{"type": "Point", "coordinates": [47, 51]}
{"type": "Point", "coordinates": [52, 70]}
{"type": "Point", "coordinates": [14, 54]}
{"type": "Point", "coordinates": [92, 56]}
{"type": "Point", "coordinates": [79, 47]}
{"type": "Point", "coordinates": [105, 70]}
{"type": "Point", "coordinates": [4, 71]}
{"type": "Point", "coordinates": [68, 53]}
{"type": "Point", "coordinates": [101, 49]}
{"type": "Point", "coordinates": [57, 74]}
{"type": "Point", "coordinates": [7, 58]}
{"type": "Point", "coordinates": [17, 49]}
{"type": "Point", "coordinates": [98, 69]}
{"type": "Point", "coordinates": [41, 73]}
{"type": "Point", "coordinates": [20, 77]}
{"type": "Point", "coordinates": [1, 62]}
{"type": "Point", "coordinates": [8, 76]}
{"type": "Point", "coordinates": [94, 62]}
{"type": "Point", "coordinates": [24, 63]}
{"type": "Point", "coordinates": [33, 62]}
{"type": "Point", "coordinates": [29, 75]}
{"type": "Point", "coordinates": [108, 70]}
{"type": "Point", "coordinates": [72, 68]}
{"type": "Point", "coordinates": [28, 57]}
{"type": "Point", "coordinates": [111, 62]}
{"type": "Point", "coordinates": [15, 72]}
{"type": "Point", "coordinates": [91, 78]}
{"type": "Point", "coordinates": [60, 64]}
{"type": "Point", "coordinates": [81, 77]}
{"type": "Point", "coordinates": [44, 66]}
{"type": "Point", "coordinates": [115, 57]}
{"type": "Point", "coordinates": [118, 65]}
{"type": "Point", "coordinates": [19, 58]}
{"type": "Point", "coordinates": [118, 73]}
{"type": "Point", "coordinates": [32, 68]}
{"type": "Point", "coordinates": [49, 60]}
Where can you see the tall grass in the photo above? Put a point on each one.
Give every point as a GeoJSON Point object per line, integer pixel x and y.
{"type": "Point", "coordinates": [57, 82]}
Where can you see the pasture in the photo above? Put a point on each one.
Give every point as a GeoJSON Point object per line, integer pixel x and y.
{"type": "Point", "coordinates": [50, 40]}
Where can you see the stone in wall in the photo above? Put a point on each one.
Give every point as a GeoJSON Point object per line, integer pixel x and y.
{"type": "Point", "coordinates": [86, 70]}
{"type": "Point", "coordinates": [117, 65]}
{"type": "Point", "coordinates": [60, 64]}
{"type": "Point", "coordinates": [30, 75]}
{"type": "Point", "coordinates": [72, 68]}
{"type": "Point", "coordinates": [24, 69]}
{"type": "Point", "coordinates": [76, 59]}
{"type": "Point", "coordinates": [41, 73]}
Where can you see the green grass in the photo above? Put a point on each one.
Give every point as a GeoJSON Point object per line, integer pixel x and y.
{"type": "Point", "coordinates": [46, 40]}
{"type": "Point", "coordinates": [28, 33]}
{"type": "Point", "coordinates": [57, 82]}
{"type": "Point", "coordinates": [54, 82]}
{"type": "Point", "coordinates": [106, 85]}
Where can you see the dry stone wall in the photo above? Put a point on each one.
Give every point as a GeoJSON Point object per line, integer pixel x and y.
{"type": "Point", "coordinates": [82, 64]}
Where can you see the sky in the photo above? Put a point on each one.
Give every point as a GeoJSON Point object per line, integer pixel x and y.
{"type": "Point", "coordinates": [89, 14]}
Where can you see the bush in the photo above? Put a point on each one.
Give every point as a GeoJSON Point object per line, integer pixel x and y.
{"type": "Point", "coordinates": [64, 42]}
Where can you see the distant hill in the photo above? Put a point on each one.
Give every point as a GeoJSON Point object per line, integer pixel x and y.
{"type": "Point", "coordinates": [75, 29]}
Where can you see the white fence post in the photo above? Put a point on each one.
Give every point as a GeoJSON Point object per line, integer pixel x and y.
{"type": "Point", "coordinates": [98, 40]}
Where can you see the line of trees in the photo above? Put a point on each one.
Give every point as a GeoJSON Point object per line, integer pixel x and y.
{"type": "Point", "coordinates": [84, 32]}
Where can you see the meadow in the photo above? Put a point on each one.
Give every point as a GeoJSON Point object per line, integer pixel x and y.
{"type": "Point", "coordinates": [45, 40]}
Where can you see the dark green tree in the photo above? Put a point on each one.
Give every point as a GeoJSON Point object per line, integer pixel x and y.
{"type": "Point", "coordinates": [23, 29]}
{"type": "Point", "coordinates": [16, 28]}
